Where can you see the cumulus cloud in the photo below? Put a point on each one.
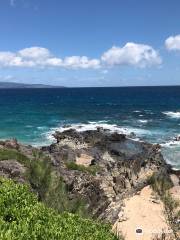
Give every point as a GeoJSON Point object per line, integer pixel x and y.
{"type": "Point", "coordinates": [134, 54]}
{"type": "Point", "coordinates": [81, 62]}
{"type": "Point", "coordinates": [34, 53]}
{"type": "Point", "coordinates": [131, 54]}
{"type": "Point", "coordinates": [42, 57]}
{"type": "Point", "coordinates": [173, 43]}
{"type": "Point", "coordinates": [8, 59]}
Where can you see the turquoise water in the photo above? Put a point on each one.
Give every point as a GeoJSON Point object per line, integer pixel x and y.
{"type": "Point", "coordinates": [152, 113]}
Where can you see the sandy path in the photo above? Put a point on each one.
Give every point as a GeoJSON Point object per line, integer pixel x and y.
{"type": "Point", "coordinates": [84, 160]}
{"type": "Point", "coordinates": [144, 212]}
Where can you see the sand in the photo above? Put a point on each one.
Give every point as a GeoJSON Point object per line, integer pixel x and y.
{"type": "Point", "coordinates": [143, 211]}
{"type": "Point", "coordinates": [84, 160]}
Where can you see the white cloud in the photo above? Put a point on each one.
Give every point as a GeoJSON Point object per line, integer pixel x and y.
{"type": "Point", "coordinates": [131, 54]}
{"type": "Point", "coordinates": [42, 57]}
{"type": "Point", "coordinates": [81, 62]}
{"type": "Point", "coordinates": [34, 53]}
{"type": "Point", "coordinates": [134, 54]}
{"type": "Point", "coordinates": [9, 59]}
{"type": "Point", "coordinates": [54, 62]}
{"type": "Point", "coordinates": [173, 43]}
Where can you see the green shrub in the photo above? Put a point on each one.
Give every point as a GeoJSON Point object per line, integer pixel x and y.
{"type": "Point", "coordinates": [90, 169]}
{"type": "Point", "coordinates": [160, 183]}
{"type": "Point", "coordinates": [23, 217]}
{"type": "Point", "coordinates": [40, 176]}
{"type": "Point", "coordinates": [6, 154]}
{"type": "Point", "coordinates": [58, 198]}
{"type": "Point", "coordinates": [50, 188]}
{"type": "Point", "coordinates": [173, 214]}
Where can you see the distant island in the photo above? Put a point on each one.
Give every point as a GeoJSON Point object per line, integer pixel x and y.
{"type": "Point", "coordinates": [24, 85]}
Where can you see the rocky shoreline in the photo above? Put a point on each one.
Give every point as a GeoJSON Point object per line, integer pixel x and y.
{"type": "Point", "coordinates": [123, 167]}
{"type": "Point", "coordinates": [98, 168]}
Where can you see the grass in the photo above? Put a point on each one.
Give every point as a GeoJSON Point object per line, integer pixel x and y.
{"type": "Point", "coordinates": [40, 176]}
{"type": "Point", "coordinates": [7, 154]}
{"type": "Point", "coordinates": [90, 169]}
{"type": "Point", "coordinates": [172, 213]}
{"type": "Point", "coordinates": [58, 198]}
{"type": "Point", "coordinates": [161, 185]}
{"type": "Point", "coordinates": [50, 188]}
{"type": "Point", "coordinates": [163, 236]}
{"type": "Point", "coordinates": [38, 168]}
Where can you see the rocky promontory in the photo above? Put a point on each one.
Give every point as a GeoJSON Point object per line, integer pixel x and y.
{"type": "Point", "coordinates": [90, 172]}
{"type": "Point", "coordinates": [114, 167]}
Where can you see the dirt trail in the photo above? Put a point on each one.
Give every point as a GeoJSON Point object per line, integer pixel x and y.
{"type": "Point", "coordinates": [84, 159]}
{"type": "Point", "coordinates": [144, 212]}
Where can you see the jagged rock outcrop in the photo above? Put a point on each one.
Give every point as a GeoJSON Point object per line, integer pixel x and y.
{"type": "Point", "coordinates": [99, 167]}
{"type": "Point", "coordinates": [122, 167]}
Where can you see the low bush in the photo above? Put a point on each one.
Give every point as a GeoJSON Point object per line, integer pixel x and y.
{"type": "Point", "coordinates": [161, 185]}
{"type": "Point", "coordinates": [58, 198]}
{"type": "Point", "coordinates": [6, 154]}
{"type": "Point", "coordinates": [50, 188]}
{"type": "Point", "coordinates": [90, 169]}
{"type": "Point", "coordinates": [39, 175]}
{"type": "Point", "coordinates": [23, 217]}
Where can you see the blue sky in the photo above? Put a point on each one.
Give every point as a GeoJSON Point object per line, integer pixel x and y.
{"type": "Point", "coordinates": [90, 42]}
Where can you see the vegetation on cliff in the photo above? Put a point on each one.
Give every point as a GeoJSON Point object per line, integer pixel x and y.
{"type": "Point", "coordinates": [45, 182]}
{"type": "Point", "coordinates": [86, 174]}
{"type": "Point", "coordinates": [23, 217]}
{"type": "Point", "coordinates": [161, 185]}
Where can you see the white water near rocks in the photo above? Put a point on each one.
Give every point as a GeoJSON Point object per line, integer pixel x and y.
{"type": "Point", "coordinates": [170, 149]}
{"type": "Point", "coordinates": [152, 113]}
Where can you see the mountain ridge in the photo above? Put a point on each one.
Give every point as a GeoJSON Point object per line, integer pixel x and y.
{"type": "Point", "coordinates": [4, 85]}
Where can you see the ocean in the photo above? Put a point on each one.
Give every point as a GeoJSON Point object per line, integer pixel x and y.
{"type": "Point", "coordinates": [152, 113]}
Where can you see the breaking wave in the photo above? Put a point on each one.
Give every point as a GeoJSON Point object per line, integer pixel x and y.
{"type": "Point", "coordinates": [129, 131]}
{"type": "Point", "coordinates": [172, 114]}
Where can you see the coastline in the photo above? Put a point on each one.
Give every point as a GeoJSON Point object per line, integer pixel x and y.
{"type": "Point", "coordinates": [153, 115]}
{"type": "Point", "coordinates": [131, 133]}
{"type": "Point", "coordinates": [103, 171]}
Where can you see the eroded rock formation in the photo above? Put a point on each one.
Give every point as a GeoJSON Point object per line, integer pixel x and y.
{"type": "Point", "coordinates": [99, 167]}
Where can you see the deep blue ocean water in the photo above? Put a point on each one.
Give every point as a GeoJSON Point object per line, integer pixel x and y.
{"type": "Point", "coordinates": [152, 113]}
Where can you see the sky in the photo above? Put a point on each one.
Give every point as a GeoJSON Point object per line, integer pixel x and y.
{"type": "Point", "coordinates": [90, 43]}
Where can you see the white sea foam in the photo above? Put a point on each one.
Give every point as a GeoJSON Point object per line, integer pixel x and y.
{"type": "Point", "coordinates": [168, 148]}
{"type": "Point", "coordinates": [171, 153]}
{"type": "Point", "coordinates": [143, 121]}
{"type": "Point", "coordinates": [171, 143]}
{"type": "Point", "coordinates": [94, 125]}
{"type": "Point", "coordinates": [172, 114]}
